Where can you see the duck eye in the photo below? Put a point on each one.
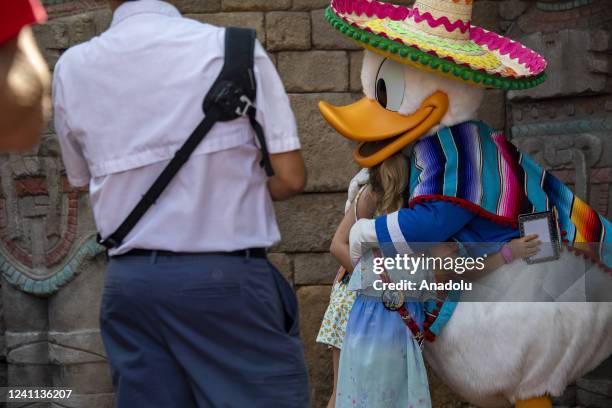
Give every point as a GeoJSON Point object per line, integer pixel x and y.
{"type": "Point", "coordinates": [390, 85]}
{"type": "Point", "coordinates": [381, 92]}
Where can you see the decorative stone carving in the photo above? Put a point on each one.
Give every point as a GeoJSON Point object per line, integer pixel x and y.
{"type": "Point", "coordinates": [573, 68]}
{"type": "Point", "coordinates": [560, 150]}
{"type": "Point", "coordinates": [42, 246]}
{"type": "Point", "coordinates": [561, 145]}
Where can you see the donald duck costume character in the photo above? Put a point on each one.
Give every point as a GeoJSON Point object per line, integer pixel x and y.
{"type": "Point", "coordinates": [423, 76]}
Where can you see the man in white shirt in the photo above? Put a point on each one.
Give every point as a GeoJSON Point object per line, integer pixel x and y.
{"type": "Point", "coordinates": [192, 315]}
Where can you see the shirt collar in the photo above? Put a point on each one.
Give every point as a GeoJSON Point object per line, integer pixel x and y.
{"type": "Point", "coordinates": [131, 8]}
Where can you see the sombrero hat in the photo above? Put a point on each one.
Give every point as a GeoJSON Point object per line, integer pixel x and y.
{"type": "Point", "coordinates": [437, 36]}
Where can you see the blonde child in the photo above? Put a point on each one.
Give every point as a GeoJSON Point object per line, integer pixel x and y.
{"type": "Point", "coordinates": [382, 194]}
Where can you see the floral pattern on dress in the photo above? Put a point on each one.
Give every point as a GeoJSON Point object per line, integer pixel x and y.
{"type": "Point", "coordinates": [336, 316]}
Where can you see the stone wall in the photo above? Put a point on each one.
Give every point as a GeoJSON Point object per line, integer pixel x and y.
{"type": "Point", "coordinates": [51, 337]}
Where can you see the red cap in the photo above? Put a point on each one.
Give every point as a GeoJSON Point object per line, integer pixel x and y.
{"type": "Point", "coordinates": [16, 14]}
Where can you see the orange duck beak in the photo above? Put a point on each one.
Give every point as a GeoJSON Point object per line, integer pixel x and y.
{"type": "Point", "coordinates": [382, 132]}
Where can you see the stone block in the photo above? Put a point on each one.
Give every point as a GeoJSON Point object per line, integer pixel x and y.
{"type": "Point", "coordinates": [310, 4]}
{"type": "Point", "coordinates": [315, 269]}
{"type": "Point", "coordinates": [27, 348]}
{"type": "Point", "coordinates": [16, 305]}
{"type": "Point", "coordinates": [102, 19]}
{"type": "Point", "coordinates": [568, 398]}
{"type": "Point", "coordinates": [566, 52]}
{"type": "Point", "coordinates": [308, 222]}
{"type": "Point", "coordinates": [512, 9]}
{"type": "Point", "coordinates": [328, 155]}
{"type": "Point", "coordinates": [76, 347]}
{"type": "Point", "coordinates": [286, 30]}
{"type": "Point", "coordinates": [91, 379]}
{"type": "Point", "coordinates": [254, 20]}
{"type": "Point", "coordinates": [54, 34]}
{"type": "Point", "coordinates": [15, 339]}
{"type": "Point", "coordinates": [601, 40]}
{"type": "Point", "coordinates": [85, 290]}
{"type": "Point", "coordinates": [314, 71]}
{"type": "Point", "coordinates": [493, 108]}
{"type": "Point", "coordinates": [3, 373]}
{"type": "Point", "coordinates": [197, 6]}
{"type": "Point", "coordinates": [600, 64]}
{"type": "Point", "coordinates": [64, 32]}
{"type": "Point", "coordinates": [313, 301]}
{"type": "Point", "coordinates": [355, 63]}
{"type": "Point", "coordinates": [85, 26]}
{"type": "Point", "coordinates": [324, 36]}
{"type": "Point", "coordinates": [256, 5]}
{"type": "Point", "coordinates": [27, 375]}
{"type": "Point", "coordinates": [284, 264]}
{"type": "Point", "coordinates": [486, 14]}
{"type": "Point", "coordinates": [601, 386]}
{"type": "Point", "coordinates": [592, 399]}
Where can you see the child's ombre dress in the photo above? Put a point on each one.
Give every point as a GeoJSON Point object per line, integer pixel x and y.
{"type": "Point", "coordinates": [381, 364]}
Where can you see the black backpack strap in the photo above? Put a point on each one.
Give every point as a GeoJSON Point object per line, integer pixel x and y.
{"type": "Point", "coordinates": [230, 97]}
{"type": "Point", "coordinates": [265, 155]}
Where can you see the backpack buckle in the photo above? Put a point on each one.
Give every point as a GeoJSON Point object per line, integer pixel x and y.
{"type": "Point", "coordinates": [108, 243]}
{"type": "Point", "coordinates": [248, 104]}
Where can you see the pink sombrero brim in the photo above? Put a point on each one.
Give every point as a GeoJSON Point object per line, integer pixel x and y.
{"type": "Point", "coordinates": [486, 59]}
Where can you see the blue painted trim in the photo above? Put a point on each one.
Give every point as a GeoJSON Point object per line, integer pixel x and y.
{"type": "Point", "coordinates": [565, 6]}
{"type": "Point", "coordinates": [600, 124]}
{"type": "Point", "coordinates": [66, 272]}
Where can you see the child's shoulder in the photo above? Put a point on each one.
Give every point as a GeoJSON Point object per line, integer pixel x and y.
{"type": "Point", "coordinates": [365, 203]}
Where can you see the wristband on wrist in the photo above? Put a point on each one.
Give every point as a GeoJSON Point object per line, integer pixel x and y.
{"type": "Point", "coordinates": [506, 253]}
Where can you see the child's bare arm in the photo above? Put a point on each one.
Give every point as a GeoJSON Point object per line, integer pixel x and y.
{"type": "Point", "coordinates": [339, 246]}
{"type": "Point", "coordinates": [524, 247]}
{"type": "Point", "coordinates": [340, 249]}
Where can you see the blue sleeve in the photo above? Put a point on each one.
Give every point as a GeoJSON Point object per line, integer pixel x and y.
{"type": "Point", "coordinates": [434, 221]}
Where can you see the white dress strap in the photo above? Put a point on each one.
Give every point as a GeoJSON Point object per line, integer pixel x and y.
{"type": "Point", "coordinates": [357, 197]}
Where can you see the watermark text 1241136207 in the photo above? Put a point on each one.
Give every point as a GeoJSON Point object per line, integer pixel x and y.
{"type": "Point", "coordinates": [33, 394]}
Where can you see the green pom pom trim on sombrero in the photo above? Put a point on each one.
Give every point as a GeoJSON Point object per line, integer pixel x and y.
{"type": "Point", "coordinates": [412, 56]}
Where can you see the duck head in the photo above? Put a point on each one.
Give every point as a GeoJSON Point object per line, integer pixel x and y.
{"type": "Point", "coordinates": [401, 105]}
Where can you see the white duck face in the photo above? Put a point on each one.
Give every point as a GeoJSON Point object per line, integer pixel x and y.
{"type": "Point", "coordinates": [401, 104]}
{"type": "Point", "coordinates": [407, 87]}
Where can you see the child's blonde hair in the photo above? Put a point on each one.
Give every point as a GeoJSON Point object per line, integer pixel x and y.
{"type": "Point", "coordinates": [388, 181]}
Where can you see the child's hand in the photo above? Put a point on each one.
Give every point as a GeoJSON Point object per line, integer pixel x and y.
{"type": "Point", "coordinates": [525, 247]}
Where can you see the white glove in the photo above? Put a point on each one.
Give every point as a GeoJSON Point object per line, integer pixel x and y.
{"type": "Point", "coordinates": [363, 232]}
{"type": "Point", "coordinates": [360, 179]}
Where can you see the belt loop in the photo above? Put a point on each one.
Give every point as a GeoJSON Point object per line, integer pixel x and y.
{"type": "Point", "coordinates": [153, 258]}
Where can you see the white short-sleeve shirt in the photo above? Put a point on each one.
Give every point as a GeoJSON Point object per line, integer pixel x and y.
{"type": "Point", "coordinates": [126, 100]}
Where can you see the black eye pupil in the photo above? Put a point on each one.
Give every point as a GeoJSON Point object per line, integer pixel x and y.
{"type": "Point", "coordinates": [381, 92]}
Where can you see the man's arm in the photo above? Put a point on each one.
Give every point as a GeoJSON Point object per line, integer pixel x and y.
{"type": "Point", "coordinates": [289, 175]}
{"type": "Point", "coordinates": [278, 122]}
{"type": "Point", "coordinates": [24, 93]}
